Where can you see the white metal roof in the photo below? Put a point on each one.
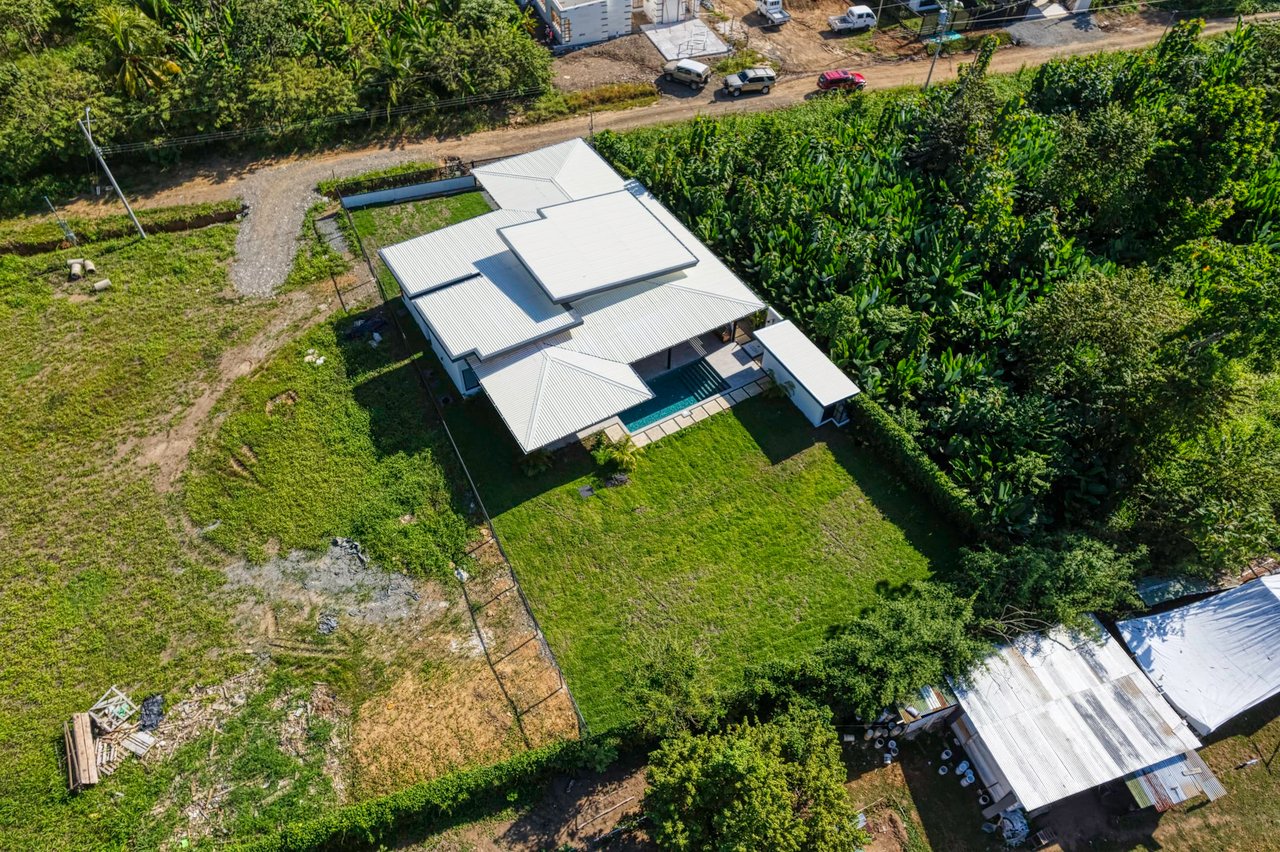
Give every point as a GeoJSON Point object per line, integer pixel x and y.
{"type": "Point", "coordinates": [1063, 712]}
{"type": "Point", "coordinates": [496, 310]}
{"type": "Point", "coordinates": [823, 381]}
{"type": "Point", "coordinates": [1217, 657]}
{"type": "Point", "coordinates": [554, 175]}
{"type": "Point", "coordinates": [549, 393]}
{"type": "Point", "coordinates": [550, 371]}
{"type": "Point", "coordinates": [583, 247]}
{"type": "Point", "coordinates": [441, 257]}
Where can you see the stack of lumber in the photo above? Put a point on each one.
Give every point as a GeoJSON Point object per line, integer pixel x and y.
{"type": "Point", "coordinates": [82, 758]}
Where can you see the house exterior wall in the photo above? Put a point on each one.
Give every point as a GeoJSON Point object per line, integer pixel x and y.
{"type": "Point", "coordinates": [668, 11]}
{"type": "Point", "coordinates": [453, 368]}
{"type": "Point", "coordinates": [800, 397]}
{"type": "Point", "coordinates": [588, 22]}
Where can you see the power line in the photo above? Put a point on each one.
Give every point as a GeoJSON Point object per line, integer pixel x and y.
{"type": "Point", "coordinates": [345, 118]}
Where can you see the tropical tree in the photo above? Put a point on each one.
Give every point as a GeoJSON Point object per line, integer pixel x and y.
{"type": "Point", "coordinates": [776, 785]}
{"type": "Point", "coordinates": [135, 49]}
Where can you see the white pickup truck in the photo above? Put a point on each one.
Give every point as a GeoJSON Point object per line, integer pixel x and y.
{"type": "Point", "coordinates": [773, 12]}
{"type": "Point", "coordinates": [854, 18]}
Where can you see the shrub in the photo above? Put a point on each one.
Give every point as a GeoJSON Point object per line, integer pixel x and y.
{"type": "Point", "coordinates": [775, 785]}
{"type": "Point", "coordinates": [913, 463]}
{"type": "Point", "coordinates": [537, 462]}
{"type": "Point", "coordinates": [619, 455]}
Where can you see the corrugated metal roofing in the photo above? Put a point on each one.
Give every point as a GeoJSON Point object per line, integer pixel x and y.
{"type": "Point", "coordinates": [595, 244]}
{"type": "Point", "coordinates": [1173, 781]}
{"type": "Point", "coordinates": [449, 254]}
{"type": "Point", "coordinates": [549, 393]}
{"type": "Point", "coordinates": [554, 175]}
{"type": "Point", "coordinates": [495, 311]}
{"type": "Point", "coordinates": [1215, 658]}
{"type": "Point", "coordinates": [1064, 712]}
{"type": "Point", "coordinates": [824, 381]}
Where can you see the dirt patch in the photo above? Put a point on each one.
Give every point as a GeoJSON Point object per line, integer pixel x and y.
{"type": "Point", "coordinates": [428, 701]}
{"type": "Point", "coordinates": [299, 586]}
{"type": "Point", "coordinates": [166, 453]}
{"type": "Point", "coordinates": [630, 59]}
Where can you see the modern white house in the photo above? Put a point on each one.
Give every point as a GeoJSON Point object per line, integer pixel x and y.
{"type": "Point", "coordinates": [578, 22]}
{"type": "Point", "coordinates": [582, 304]}
{"type": "Point", "coordinates": [1054, 714]}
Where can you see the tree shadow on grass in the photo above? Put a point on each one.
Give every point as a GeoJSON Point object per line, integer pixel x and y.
{"type": "Point", "coordinates": [781, 432]}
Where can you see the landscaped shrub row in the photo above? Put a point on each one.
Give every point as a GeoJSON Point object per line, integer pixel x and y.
{"type": "Point", "coordinates": [46, 235]}
{"type": "Point", "coordinates": [914, 464]}
{"type": "Point", "coordinates": [428, 806]}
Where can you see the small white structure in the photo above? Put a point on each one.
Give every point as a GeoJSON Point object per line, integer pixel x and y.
{"type": "Point", "coordinates": [670, 11]}
{"type": "Point", "coordinates": [684, 39]}
{"type": "Point", "coordinates": [577, 22]}
{"type": "Point", "coordinates": [816, 386]}
{"type": "Point", "coordinates": [1052, 715]}
{"type": "Point", "coordinates": [1215, 658]}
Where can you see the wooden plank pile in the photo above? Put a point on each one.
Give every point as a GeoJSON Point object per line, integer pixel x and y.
{"type": "Point", "coordinates": [98, 741]}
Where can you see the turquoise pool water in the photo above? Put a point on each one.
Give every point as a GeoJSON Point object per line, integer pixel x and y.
{"type": "Point", "coordinates": [674, 391]}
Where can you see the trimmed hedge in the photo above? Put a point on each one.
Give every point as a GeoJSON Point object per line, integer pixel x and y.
{"type": "Point", "coordinates": [915, 465]}
{"type": "Point", "coordinates": [43, 235]}
{"type": "Point", "coordinates": [458, 797]}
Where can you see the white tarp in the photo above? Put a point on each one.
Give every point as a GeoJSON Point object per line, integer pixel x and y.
{"type": "Point", "coordinates": [1216, 658]}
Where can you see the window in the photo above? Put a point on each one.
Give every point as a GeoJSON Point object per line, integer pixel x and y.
{"type": "Point", "coordinates": [469, 380]}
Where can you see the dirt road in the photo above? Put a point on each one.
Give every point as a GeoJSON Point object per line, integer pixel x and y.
{"type": "Point", "coordinates": [279, 191]}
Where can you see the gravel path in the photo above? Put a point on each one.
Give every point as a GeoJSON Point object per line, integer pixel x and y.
{"type": "Point", "coordinates": [278, 193]}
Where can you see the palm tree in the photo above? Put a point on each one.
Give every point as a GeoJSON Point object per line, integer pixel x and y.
{"type": "Point", "coordinates": [135, 49]}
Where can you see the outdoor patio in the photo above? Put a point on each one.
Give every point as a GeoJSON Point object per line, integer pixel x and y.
{"type": "Point", "coordinates": [735, 363]}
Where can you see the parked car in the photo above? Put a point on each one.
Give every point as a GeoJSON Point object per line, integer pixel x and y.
{"type": "Point", "coordinates": [694, 74]}
{"type": "Point", "coordinates": [854, 18]}
{"type": "Point", "coordinates": [752, 80]}
{"type": "Point", "coordinates": [841, 78]}
{"type": "Point", "coordinates": [772, 11]}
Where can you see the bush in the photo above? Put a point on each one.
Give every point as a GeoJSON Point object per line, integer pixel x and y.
{"type": "Point", "coordinates": [616, 455]}
{"type": "Point", "coordinates": [777, 785]}
{"type": "Point", "coordinates": [430, 805]}
{"type": "Point", "coordinates": [913, 464]}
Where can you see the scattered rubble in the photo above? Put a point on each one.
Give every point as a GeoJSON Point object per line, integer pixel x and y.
{"type": "Point", "coordinates": [350, 545]}
{"type": "Point", "coordinates": [327, 624]}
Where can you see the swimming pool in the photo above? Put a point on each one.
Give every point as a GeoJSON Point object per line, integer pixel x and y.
{"type": "Point", "coordinates": [674, 391]}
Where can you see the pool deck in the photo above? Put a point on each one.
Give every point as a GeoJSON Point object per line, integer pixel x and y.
{"type": "Point", "coordinates": [740, 369]}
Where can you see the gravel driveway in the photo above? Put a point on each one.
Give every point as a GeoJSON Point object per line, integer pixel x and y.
{"type": "Point", "coordinates": [279, 193]}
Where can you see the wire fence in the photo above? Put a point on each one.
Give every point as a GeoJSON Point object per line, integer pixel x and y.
{"type": "Point", "coordinates": [476, 608]}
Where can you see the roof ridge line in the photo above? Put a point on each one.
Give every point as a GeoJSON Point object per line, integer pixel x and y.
{"type": "Point", "coordinates": [584, 371]}
{"type": "Point", "coordinates": [537, 397]}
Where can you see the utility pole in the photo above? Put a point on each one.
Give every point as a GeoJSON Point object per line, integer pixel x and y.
{"type": "Point", "coordinates": [89, 161]}
{"type": "Point", "coordinates": [937, 48]}
{"type": "Point", "coordinates": [97, 152]}
{"type": "Point", "coordinates": [66, 229]}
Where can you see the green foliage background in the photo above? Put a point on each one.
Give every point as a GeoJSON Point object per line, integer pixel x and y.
{"type": "Point", "coordinates": [1065, 295]}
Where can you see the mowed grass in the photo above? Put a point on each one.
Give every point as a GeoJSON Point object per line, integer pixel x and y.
{"type": "Point", "coordinates": [97, 583]}
{"type": "Point", "coordinates": [332, 437]}
{"type": "Point", "coordinates": [394, 223]}
{"type": "Point", "coordinates": [747, 537]}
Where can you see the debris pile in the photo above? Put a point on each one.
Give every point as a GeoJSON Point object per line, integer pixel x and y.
{"type": "Point", "coordinates": [327, 624]}
{"type": "Point", "coordinates": [98, 741]}
{"type": "Point", "coordinates": [313, 357]}
{"type": "Point", "coordinates": [350, 545]}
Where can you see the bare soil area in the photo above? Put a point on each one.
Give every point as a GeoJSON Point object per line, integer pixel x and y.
{"type": "Point", "coordinates": [428, 701]}
{"type": "Point", "coordinates": [630, 59]}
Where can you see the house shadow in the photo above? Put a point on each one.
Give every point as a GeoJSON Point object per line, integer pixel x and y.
{"type": "Point", "coordinates": [781, 432]}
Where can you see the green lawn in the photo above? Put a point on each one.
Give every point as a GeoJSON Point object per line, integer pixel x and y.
{"type": "Point", "coordinates": [350, 446]}
{"type": "Point", "coordinates": [98, 583]}
{"type": "Point", "coordinates": [746, 537]}
{"type": "Point", "coordinates": [394, 223]}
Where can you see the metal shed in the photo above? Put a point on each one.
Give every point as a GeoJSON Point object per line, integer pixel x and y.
{"type": "Point", "coordinates": [816, 386]}
{"type": "Point", "coordinates": [1051, 715]}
